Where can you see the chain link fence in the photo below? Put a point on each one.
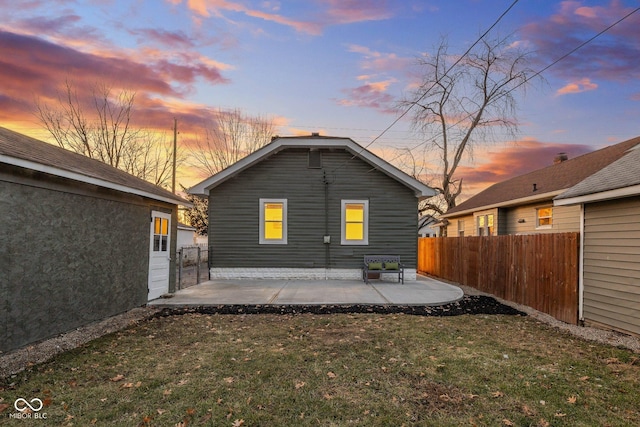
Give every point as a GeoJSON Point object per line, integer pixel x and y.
{"type": "Point", "coordinates": [192, 266]}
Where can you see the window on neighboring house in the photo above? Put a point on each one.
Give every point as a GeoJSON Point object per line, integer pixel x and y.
{"type": "Point", "coordinates": [486, 225]}
{"type": "Point", "coordinates": [544, 217]}
{"type": "Point", "coordinates": [460, 228]}
{"type": "Point", "coordinates": [355, 222]}
{"type": "Point", "coordinates": [273, 221]}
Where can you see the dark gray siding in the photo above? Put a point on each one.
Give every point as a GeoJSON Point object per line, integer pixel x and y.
{"type": "Point", "coordinates": [234, 213]}
{"type": "Point", "coordinates": [70, 254]}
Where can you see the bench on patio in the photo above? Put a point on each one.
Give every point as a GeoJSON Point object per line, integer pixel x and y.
{"type": "Point", "coordinates": [374, 265]}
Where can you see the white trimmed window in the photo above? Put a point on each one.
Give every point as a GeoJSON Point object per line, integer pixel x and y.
{"type": "Point", "coordinates": [544, 217]}
{"type": "Point", "coordinates": [273, 221]}
{"type": "Point", "coordinates": [355, 222]}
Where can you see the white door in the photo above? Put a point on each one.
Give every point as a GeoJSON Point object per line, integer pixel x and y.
{"type": "Point", "coordinates": [159, 254]}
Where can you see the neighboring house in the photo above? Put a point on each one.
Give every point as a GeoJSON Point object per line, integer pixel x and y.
{"type": "Point", "coordinates": [524, 204]}
{"type": "Point", "coordinates": [428, 226]}
{"type": "Point", "coordinates": [79, 240]}
{"type": "Point", "coordinates": [609, 204]}
{"type": "Point", "coordinates": [310, 207]}
{"type": "Point", "coordinates": [186, 235]}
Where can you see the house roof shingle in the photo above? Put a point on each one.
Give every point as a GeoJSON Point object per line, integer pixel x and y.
{"type": "Point", "coordinates": [313, 141]}
{"type": "Point", "coordinates": [549, 181]}
{"type": "Point", "coordinates": [624, 173]}
{"type": "Point", "coordinates": [21, 150]}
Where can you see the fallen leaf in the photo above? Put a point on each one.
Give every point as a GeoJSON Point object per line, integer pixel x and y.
{"type": "Point", "coordinates": [560, 414]}
{"type": "Point", "coordinates": [572, 399]}
{"type": "Point", "coordinates": [237, 423]}
{"type": "Point", "coordinates": [161, 411]}
{"type": "Point", "coordinates": [506, 422]}
{"type": "Point", "coordinates": [497, 394]}
{"type": "Point", "coordinates": [228, 380]}
{"type": "Point", "coordinates": [127, 385]}
{"type": "Point", "coordinates": [117, 378]}
{"type": "Point", "coordinates": [300, 384]}
{"type": "Point", "coordinates": [331, 374]}
{"type": "Point", "coordinates": [586, 377]}
{"type": "Point", "coordinates": [167, 392]}
{"type": "Point", "coordinates": [4, 406]}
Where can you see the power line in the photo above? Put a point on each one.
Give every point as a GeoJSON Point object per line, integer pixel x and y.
{"type": "Point", "coordinates": [401, 116]}
{"type": "Point", "coordinates": [536, 74]}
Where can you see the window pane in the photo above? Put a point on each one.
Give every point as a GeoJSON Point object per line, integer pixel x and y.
{"type": "Point", "coordinates": [156, 226]}
{"type": "Point", "coordinates": [354, 231]}
{"type": "Point", "coordinates": [156, 243]}
{"type": "Point", "coordinates": [273, 230]}
{"type": "Point", "coordinates": [273, 212]}
{"type": "Point", "coordinates": [354, 212]}
{"type": "Point", "coordinates": [544, 212]}
{"type": "Point", "coordinates": [165, 227]}
{"type": "Point", "coordinates": [544, 221]}
{"type": "Point", "coordinates": [490, 220]}
{"type": "Point", "coordinates": [481, 221]}
{"type": "Point", "coordinates": [164, 243]}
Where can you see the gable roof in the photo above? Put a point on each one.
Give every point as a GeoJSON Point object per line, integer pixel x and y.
{"type": "Point", "coordinates": [549, 182]}
{"type": "Point", "coordinates": [314, 141]}
{"type": "Point", "coordinates": [26, 152]}
{"type": "Point", "coordinates": [619, 179]}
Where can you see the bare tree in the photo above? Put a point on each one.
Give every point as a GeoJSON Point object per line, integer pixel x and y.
{"type": "Point", "coordinates": [230, 136]}
{"type": "Point", "coordinates": [101, 128]}
{"type": "Point", "coordinates": [463, 102]}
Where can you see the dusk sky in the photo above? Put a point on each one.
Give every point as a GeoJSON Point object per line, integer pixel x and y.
{"type": "Point", "coordinates": [338, 67]}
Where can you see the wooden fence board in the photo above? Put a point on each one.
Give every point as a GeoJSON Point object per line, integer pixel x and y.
{"type": "Point", "coordinates": [536, 270]}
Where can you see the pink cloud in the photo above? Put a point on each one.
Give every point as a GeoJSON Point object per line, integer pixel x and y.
{"type": "Point", "coordinates": [32, 67]}
{"type": "Point", "coordinates": [613, 56]}
{"type": "Point", "coordinates": [522, 157]}
{"type": "Point", "coordinates": [369, 95]}
{"type": "Point", "coordinates": [582, 85]}
{"type": "Point", "coordinates": [330, 12]}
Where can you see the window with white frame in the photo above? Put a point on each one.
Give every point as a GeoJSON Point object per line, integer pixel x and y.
{"type": "Point", "coordinates": [355, 222]}
{"type": "Point", "coordinates": [544, 217]}
{"type": "Point", "coordinates": [485, 225]}
{"type": "Point", "coordinates": [461, 228]}
{"type": "Point", "coordinates": [273, 221]}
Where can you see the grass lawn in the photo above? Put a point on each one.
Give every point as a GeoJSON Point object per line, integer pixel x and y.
{"type": "Point", "coordinates": [334, 370]}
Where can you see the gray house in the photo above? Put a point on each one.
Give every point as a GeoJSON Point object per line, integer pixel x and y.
{"type": "Point", "coordinates": [310, 207]}
{"type": "Point", "coordinates": [79, 240]}
{"type": "Point", "coordinates": [609, 281]}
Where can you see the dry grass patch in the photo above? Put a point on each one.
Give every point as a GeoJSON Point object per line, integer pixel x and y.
{"type": "Point", "coordinates": [334, 370]}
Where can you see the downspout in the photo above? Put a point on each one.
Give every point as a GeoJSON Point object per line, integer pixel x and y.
{"type": "Point", "coordinates": [326, 238]}
{"type": "Point", "coordinates": [581, 269]}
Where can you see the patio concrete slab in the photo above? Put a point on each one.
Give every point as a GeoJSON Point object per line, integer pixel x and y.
{"type": "Point", "coordinates": [424, 291]}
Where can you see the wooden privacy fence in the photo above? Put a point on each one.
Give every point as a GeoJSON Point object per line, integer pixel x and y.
{"type": "Point", "coordinates": [537, 270]}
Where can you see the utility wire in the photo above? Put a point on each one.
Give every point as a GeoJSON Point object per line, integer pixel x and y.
{"type": "Point", "coordinates": [401, 116]}
{"type": "Point", "coordinates": [536, 74]}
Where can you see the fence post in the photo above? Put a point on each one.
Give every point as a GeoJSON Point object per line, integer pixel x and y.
{"type": "Point", "coordinates": [180, 269]}
{"type": "Point", "coordinates": [198, 267]}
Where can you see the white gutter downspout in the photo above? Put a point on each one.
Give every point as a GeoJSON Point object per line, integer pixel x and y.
{"type": "Point", "coordinates": [581, 267]}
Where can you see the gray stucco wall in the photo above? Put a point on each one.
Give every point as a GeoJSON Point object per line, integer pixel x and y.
{"type": "Point", "coordinates": [234, 213]}
{"type": "Point", "coordinates": [70, 254]}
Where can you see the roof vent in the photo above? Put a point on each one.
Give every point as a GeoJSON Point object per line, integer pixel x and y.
{"type": "Point", "coordinates": [315, 133]}
{"type": "Point", "coordinates": [561, 157]}
{"type": "Point", "coordinates": [535, 187]}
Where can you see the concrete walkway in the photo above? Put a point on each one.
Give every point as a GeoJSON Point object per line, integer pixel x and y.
{"type": "Point", "coordinates": [424, 291]}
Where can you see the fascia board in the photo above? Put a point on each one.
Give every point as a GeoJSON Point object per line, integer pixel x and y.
{"type": "Point", "coordinates": [419, 188]}
{"type": "Point", "coordinates": [88, 180]}
{"type": "Point", "coordinates": [516, 202]}
{"type": "Point", "coordinates": [618, 193]}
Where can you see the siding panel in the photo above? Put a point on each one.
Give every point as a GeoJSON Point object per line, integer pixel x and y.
{"type": "Point", "coordinates": [234, 213]}
{"type": "Point", "coordinates": [612, 264]}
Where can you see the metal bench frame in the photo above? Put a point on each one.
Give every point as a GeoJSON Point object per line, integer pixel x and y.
{"type": "Point", "coordinates": [383, 259]}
